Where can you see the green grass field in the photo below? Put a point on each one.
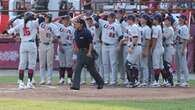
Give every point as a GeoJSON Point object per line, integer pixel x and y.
{"type": "Point", "coordinates": [12, 79]}
{"type": "Point", "coordinates": [15, 104]}
{"type": "Point", "coordinates": [97, 105]}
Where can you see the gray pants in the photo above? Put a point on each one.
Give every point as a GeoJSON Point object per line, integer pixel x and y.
{"type": "Point", "coordinates": [182, 68]}
{"type": "Point", "coordinates": [82, 60]}
{"type": "Point", "coordinates": [145, 69]}
{"type": "Point", "coordinates": [46, 57]}
{"type": "Point", "coordinates": [122, 60]}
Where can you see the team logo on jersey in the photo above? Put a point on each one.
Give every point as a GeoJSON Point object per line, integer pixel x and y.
{"type": "Point", "coordinates": [109, 27]}
{"type": "Point", "coordinates": [44, 26]}
{"type": "Point", "coordinates": [65, 30]}
{"type": "Point", "coordinates": [26, 31]}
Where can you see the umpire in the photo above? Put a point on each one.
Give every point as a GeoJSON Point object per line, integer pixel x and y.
{"type": "Point", "coordinates": [83, 40]}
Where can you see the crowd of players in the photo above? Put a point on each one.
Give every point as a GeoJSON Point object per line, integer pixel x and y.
{"type": "Point", "coordinates": [137, 48]}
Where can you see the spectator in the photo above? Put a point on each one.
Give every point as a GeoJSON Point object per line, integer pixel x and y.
{"type": "Point", "coordinates": [41, 5]}
{"type": "Point", "coordinates": [87, 4]}
{"type": "Point", "coordinates": [63, 8]}
{"type": "Point", "coordinates": [20, 6]}
{"type": "Point", "coordinates": [12, 6]}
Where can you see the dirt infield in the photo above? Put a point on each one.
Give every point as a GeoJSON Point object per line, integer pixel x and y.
{"type": "Point", "coordinates": [91, 93]}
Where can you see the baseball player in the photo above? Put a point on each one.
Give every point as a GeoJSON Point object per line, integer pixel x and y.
{"type": "Point", "coordinates": [28, 49]}
{"type": "Point", "coordinates": [123, 50]}
{"type": "Point", "coordinates": [133, 39]}
{"type": "Point", "coordinates": [47, 32]}
{"type": "Point", "coordinates": [181, 50]}
{"type": "Point", "coordinates": [65, 49]}
{"type": "Point", "coordinates": [157, 49]}
{"type": "Point", "coordinates": [111, 35]}
{"type": "Point", "coordinates": [168, 36]}
{"type": "Point", "coordinates": [146, 38]}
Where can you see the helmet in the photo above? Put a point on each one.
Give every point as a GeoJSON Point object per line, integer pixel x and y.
{"type": "Point", "coordinates": [157, 17]}
{"type": "Point", "coordinates": [131, 17]}
{"type": "Point", "coordinates": [145, 16]}
{"type": "Point", "coordinates": [66, 17]}
{"type": "Point", "coordinates": [112, 15]}
{"type": "Point", "coordinates": [29, 16]}
{"type": "Point", "coordinates": [183, 17]}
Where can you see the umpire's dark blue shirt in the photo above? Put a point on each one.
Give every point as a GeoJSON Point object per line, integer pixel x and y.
{"type": "Point", "coordinates": [83, 38]}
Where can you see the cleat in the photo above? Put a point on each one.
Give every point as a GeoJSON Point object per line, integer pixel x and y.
{"type": "Point", "coordinates": [61, 82]}
{"type": "Point", "coordinates": [177, 84]}
{"type": "Point", "coordinates": [33, 81]}
{"type": "Point", "coordinates": [125, 82]}
{"type": "Point", "coordinates": [131, 85]}
{"type": "Point", "coordinates": [185, 84]}
{"type": "Point", "coordinates": [112, 84]}
{"type": "Point", "coordinates": [69, 81]}
{"type": "Point", "coordinates": [83, 83]}
{"type": "Point", "coordinates": [106, 82]}
{"type": "Point", "coordinates": [30, 85]}
{"type": "Point", "coordinates": [21, 85]}
{"type": "Point", "coordinates": [42, 83]}
{"type": "Point", "coordinates": [48, 82]}
{"type": "Point", "coordinates": [164, 84]}
{"type": "Point", "coordinates": [155, 84]}
{"type": "Point", "coordinates": [93, 82]}
{"type": "Point", "coordinates": [137, 83]}
{"type": "Point", "coordinates": [143, 85]}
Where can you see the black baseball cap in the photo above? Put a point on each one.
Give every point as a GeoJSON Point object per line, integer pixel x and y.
{"type": "Point", "coordinates": [170, 18]}
{"type": "Point", "coordinates": [66, 17]}
{"type": "Point", "coordinates": [157, 17]}
{"type": "Point", "coordinates": [112, 15]}
{"type": "Point", "coordinates": [182, 17]}
{"type": "Point", "coordinates": [131, 17]}
{"type": "Point", "coordinates": [145, 16]}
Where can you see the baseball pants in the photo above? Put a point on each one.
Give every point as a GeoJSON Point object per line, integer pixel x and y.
{"type": "Point", "coordinates": [109, 56]}
{"type": "Point", "coordinates": [183, 72]}
{"type": "Point", "coordinates": [46, 57]}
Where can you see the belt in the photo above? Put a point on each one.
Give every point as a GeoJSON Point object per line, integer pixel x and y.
{"type": "Point", "coordinates": [83, 49]}
{"type": "Point", "coordinates": [180, 42]}
{"type": "Point", "coordinates": [137, 45]}
{"type": "Point", "coordinates": [107, 44]}
{"type": "Point", "coordinates": [46, 43]}
{"type": "Point", "coordinates": [124, 44]}
{"type": "Point", "coordinates": [167, 45]}
{"type": "Point", "coordinates": [66, 44]}
{"type": "Point", "coordinates": [31, 41]}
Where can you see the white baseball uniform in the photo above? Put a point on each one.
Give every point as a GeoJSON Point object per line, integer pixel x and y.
{"type": "Point", "coordinates": [123, 53]}
{"type": "Point", "coordinates": [47, 32]}
{"type": "Point", "coordinates": [157, 55]}
{"type": "Point", "coordinates": [168, 35]}
{"type": "Point", "coordinates": [66, 37]}
{"type": "Point", "coordinates": [110, 35]}
{"type": "Point", "coordinates": [182, 36]}
{"type": "Point", "coordinates": [133, 57]}
{"type": "Point", "coordinates": [28, 48]}
{"type": "Point", "coordinates": [146, 36]}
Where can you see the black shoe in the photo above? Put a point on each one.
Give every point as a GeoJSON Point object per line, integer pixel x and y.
{"type": "Point", "coordinates": [73, 88]}
{"type": "Point", "coordinates": [100, 86]}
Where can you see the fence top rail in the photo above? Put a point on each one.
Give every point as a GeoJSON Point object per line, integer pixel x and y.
{"type": "Point", "coordinates": [151, 9]}
{"type": "Point", "coordinates": [183, 1]}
